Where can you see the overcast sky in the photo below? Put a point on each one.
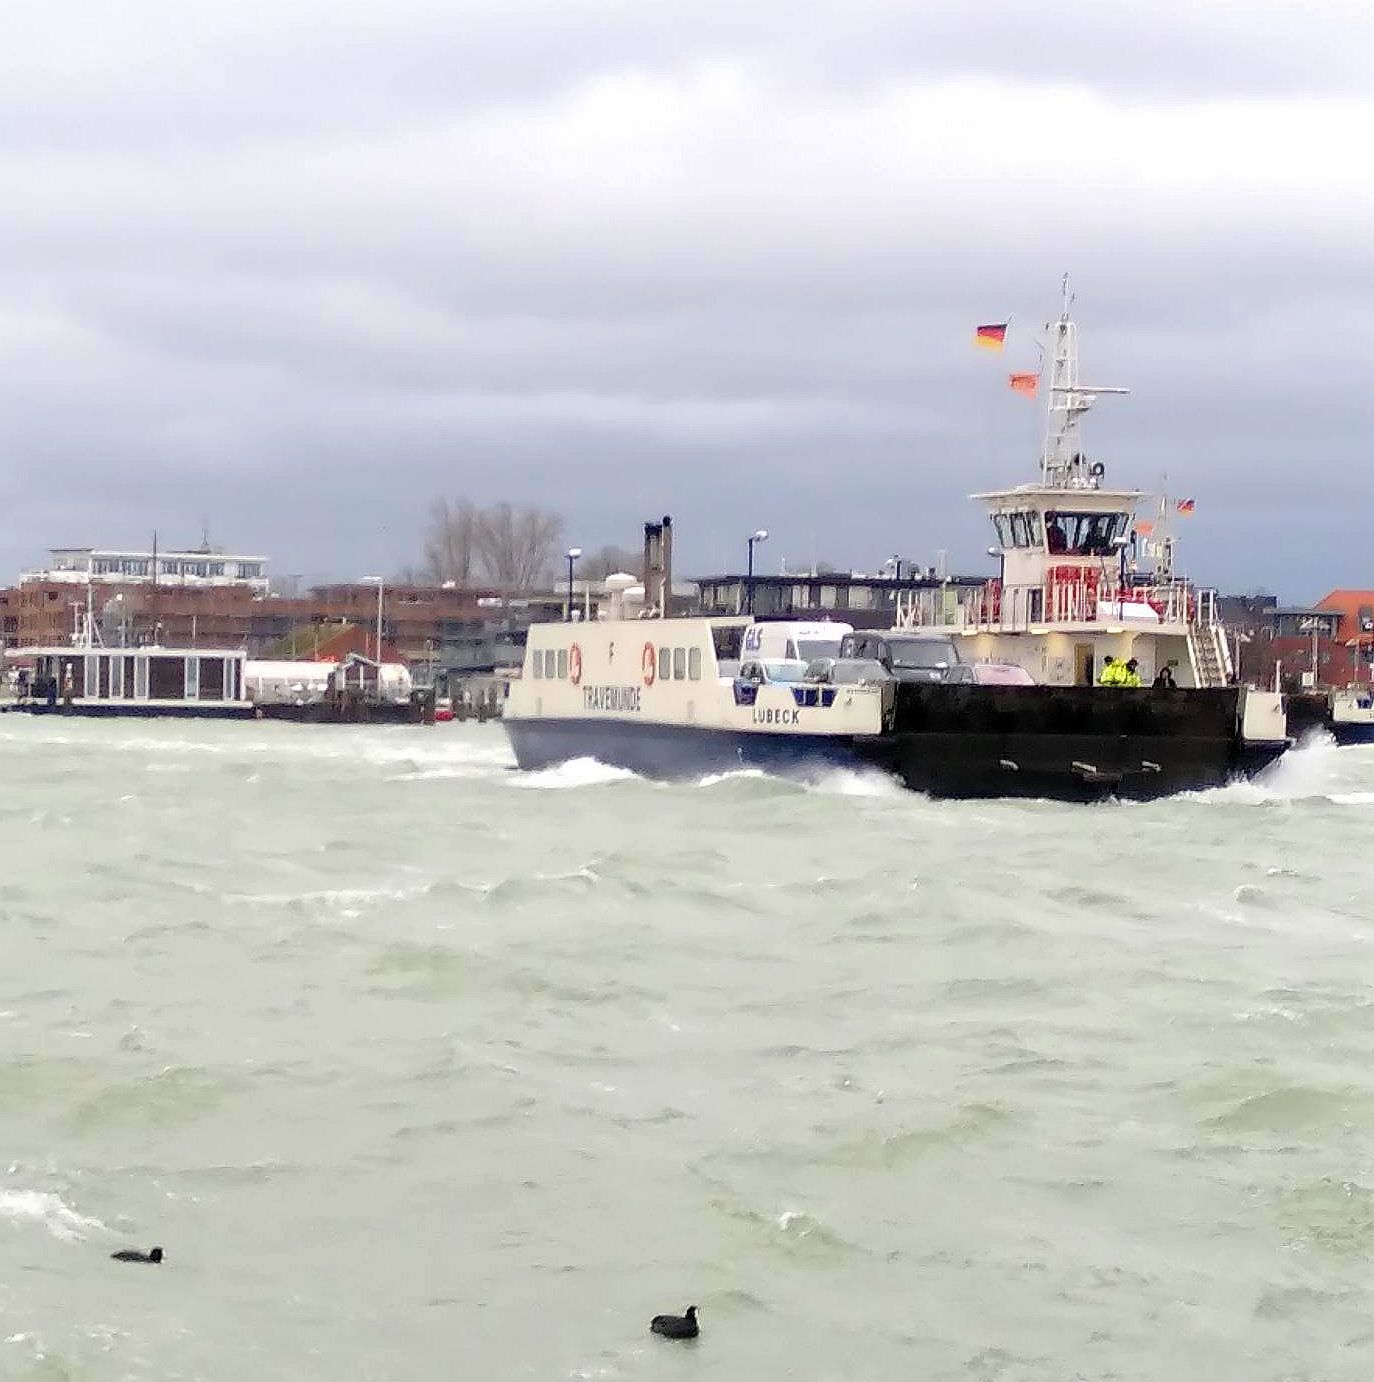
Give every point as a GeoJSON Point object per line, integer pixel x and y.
{"type": "Point", "coordinates": [296, 268]}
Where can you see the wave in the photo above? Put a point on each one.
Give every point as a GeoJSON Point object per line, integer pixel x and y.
{"type": "Point", "coordinates": [577, 772]}
{"type": "Point", "coordinates": [48, 1208]}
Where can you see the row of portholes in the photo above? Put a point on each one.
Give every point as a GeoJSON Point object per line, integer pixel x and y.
{"type": "Point", "coordinates": [550, 664]}
{"type": "Point", "coordinates": [679, 664]}
{"type": "Point", "coordinates": [674, 664]}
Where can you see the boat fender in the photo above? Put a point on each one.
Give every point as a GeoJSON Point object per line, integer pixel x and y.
{"type": "Point", "coordinates": [575, 664]}
{"type": "Point", "coordinates": [649, 664]}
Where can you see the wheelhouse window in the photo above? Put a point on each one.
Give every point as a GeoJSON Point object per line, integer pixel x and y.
{"type": "Point", "coordinates": [1083, 534]}
{"type": "Point", "coordinates": [562, 664]}
{"type": "Point", "coordinates": [665, 663]}
{"type": "Point", "coordinates": [537, 664]}
{"type": "Point", "coordinates": [679, 664]}
{"type": "Point", "coordinates": [694, 664]}
{"type": "Point", "coordinates": [1020, 529]}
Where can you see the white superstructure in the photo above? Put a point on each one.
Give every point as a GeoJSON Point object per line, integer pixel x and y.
{"type": "Point", "coordinates": [1071, 591]}
{"type": "Point", "coordinates": [668, 673]}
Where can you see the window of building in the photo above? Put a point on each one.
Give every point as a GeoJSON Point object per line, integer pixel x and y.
{"type": "Point", "coordinates": [694, 664]}
{"type": "Point", "coordinates": [679, 664]}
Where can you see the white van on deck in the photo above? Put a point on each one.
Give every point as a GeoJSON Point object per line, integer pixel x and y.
{"type": "Point", "coordinates": [794, 640]}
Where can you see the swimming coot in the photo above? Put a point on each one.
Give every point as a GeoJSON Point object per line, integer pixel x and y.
{"type": "Point", "coordinates": [676, 1326]}
{"type": "Point", "coordinates": [133, 1255]}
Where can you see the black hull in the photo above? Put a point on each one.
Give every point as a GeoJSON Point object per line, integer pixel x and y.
{"type": "Point", "coordinates": [1074, 744]}
{"type": "Point", "coordinates": [1309, 712]}
{"type": "Point", "coordinates": [348, 713]}
{"type": "Point", "coordinates": [1075, 768]}
{"type": "Point", "coordinates": [419, 711]}
{"type": "Point", "coordinates": [149, 711]}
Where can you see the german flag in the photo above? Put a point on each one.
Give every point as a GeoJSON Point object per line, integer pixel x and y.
{"type": "Point", "coordinates": [1027, 384]}
{"type": "Point", "coordinates": [1186, 506]}
{"type": "Point", "coordinates": [990, 337]}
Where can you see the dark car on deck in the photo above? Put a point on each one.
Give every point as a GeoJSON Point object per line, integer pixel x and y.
{"type": "Point", "coordinates": [906, 656]}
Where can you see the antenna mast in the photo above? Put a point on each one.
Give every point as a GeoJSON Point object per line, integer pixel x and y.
{"type": "Point", "coordinates": [1062, 464]}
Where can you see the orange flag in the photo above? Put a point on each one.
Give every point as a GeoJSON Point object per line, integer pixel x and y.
{"type": "Point", "coordinates": [1024, 383]}
{"type": "Point", "coordinates": [1144, 527]}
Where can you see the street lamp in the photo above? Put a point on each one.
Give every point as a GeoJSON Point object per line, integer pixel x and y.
{"type": "Point", "coordinates": [760, 536]}
{"type": "Point", "coordinates": [378, 581]}
{"type": "Point", "coordinates": [573, 554]}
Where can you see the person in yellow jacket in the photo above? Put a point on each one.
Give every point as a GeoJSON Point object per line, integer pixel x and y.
{"type": "Point", "coordinates": [1130, 674]}
{"type": "Point", "coordinates": [1113, 673]}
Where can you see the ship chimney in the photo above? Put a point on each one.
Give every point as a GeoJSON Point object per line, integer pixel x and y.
{"type": "Point", "coordinates": [658, 566]}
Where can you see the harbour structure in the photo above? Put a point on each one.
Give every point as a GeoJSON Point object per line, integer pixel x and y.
{"type": "Point", "coordinates": [86, 677]}
{"type": "Point", "coordinates": [665, 696]}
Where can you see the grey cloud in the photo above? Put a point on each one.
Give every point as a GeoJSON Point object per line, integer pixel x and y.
{"type": "Point", "coordinates": [298, 269]}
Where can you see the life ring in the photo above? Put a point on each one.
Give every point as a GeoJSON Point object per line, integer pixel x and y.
{"type": "Point", "coordinates": [649, 663]}
{"type": "Point", "coordinates": [575, 664]}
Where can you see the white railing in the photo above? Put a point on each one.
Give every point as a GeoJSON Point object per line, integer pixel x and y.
{"type": "Point", "coordinates": [1079, 601]}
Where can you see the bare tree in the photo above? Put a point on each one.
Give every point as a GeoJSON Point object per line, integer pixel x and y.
{"type": "Point", "coordinates": [596, 566]}
{"type": "Point", "coordinates": [517, 546]}
{"type": "Point", "coordinates": [451, 541]}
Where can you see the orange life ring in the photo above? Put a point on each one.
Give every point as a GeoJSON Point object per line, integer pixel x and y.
{"type": "Point", "coordinates": [649, 664]}
{"type": "Point", "coordinates": [575, 664]}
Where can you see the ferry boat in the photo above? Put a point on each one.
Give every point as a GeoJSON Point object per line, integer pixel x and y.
{"type": "Point", "coordinates": [666, 697]}
{"type": "Point", "coordinates": [1346, 714]}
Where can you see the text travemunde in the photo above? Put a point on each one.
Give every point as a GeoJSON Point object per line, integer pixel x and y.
{"type": "Point", "coordinates": [621, 698]}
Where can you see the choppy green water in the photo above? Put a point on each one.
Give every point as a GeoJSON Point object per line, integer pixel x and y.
{"type": "Point", "coordinates": [421, 1068]}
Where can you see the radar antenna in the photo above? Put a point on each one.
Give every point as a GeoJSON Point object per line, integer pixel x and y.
{"type": "Point", "coordinates": [1062, 464]}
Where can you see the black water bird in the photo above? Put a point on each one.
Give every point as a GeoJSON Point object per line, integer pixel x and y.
{"type": "Point", "coordinates": [676, 1326]}
{"type": "Point", "coordinates": [133, 1255]}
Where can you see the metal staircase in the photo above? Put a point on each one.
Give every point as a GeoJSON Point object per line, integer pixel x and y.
{"type": "Point", "coordinates": [1210, 654]}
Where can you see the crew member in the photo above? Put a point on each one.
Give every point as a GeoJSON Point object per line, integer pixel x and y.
{"type": "Point", "coordinates": [1130, 674]}
{"type": "Point", "coordinates": [1113, 673]}
{"type": "Point", "coordinates": [1165, 680]}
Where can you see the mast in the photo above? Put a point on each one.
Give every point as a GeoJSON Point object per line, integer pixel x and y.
{"type": "Point", "coordinates": [1062, 463]}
